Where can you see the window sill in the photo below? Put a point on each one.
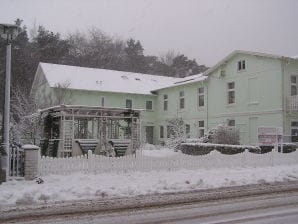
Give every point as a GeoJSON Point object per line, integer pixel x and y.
{"type": "Point", "coordinates": [253, 103]}
{"type": "Point", "coordinates": [242, 70]}
{"type": "Point", "coordinates": [231, 105]}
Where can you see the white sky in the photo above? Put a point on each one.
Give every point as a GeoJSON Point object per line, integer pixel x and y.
{"type": "Point", "coordinates": [205, 30]}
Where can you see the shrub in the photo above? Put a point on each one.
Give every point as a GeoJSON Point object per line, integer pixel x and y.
{"type": "Point", "coordinates": [261, 149]}
{"type": "Point", "coordinates": [287, 147]}
{"type": "Point", "coordinates": [205, 148]}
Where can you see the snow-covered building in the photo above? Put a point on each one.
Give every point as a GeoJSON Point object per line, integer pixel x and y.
{"type": "Point", "coordinates": [245, 90]}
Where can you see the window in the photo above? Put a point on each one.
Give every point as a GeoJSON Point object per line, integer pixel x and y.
{"type": "Point", "coordinates": [231, 122]}
{"type": "Point", "coordinates": [102, 101]}
{"type": "Point", "coordinates": [231, 92]}
{"type": "Point", "coordinates": [294, 131]}
{"type": "Point", "coordinates": [149, 105]}
{"type": "Point", "coordinates": [181, 100]}
{"type": "Point", "coordinates": [201, 97]}
{"type": "Point", "coordinates": [187, 131]}
{"type": "Point", "coordinates": [293, 85]}
{"type": "Point", "coordinates": [201, 129]}
{"type": "Point", "coordinates": [161, 132]}
{"type": "Point", "coordinates": [165, 102]}
{"type": "Point", "coordinates": [241, 65]}
{"type": "Point", "coordinates": [128, 103]}
{"type": "Point", "coordinates": [169, 130]}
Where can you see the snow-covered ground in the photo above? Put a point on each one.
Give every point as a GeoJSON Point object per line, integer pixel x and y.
{"type": "Point", "coordinates": [58, 188]}
{"type": "Point", "coordinates": [79, 186]}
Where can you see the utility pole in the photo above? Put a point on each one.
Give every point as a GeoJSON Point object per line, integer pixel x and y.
{"type": "Point", "coordinates": [9, 32]}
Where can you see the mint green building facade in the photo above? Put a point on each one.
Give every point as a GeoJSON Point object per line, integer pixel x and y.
{"type": "Point", "coordinates": [245, 90]}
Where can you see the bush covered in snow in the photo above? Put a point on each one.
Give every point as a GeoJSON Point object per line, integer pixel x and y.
{"type": "Point", "coordinates": [205, 148]}
{"type": "Point", "coordinates": [287, 147]}
{"type": "Point", "coordinates": [223, 134]}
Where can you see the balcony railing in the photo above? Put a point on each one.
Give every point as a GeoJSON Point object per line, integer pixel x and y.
{"type": "Point", "coordinates": [292, 103]}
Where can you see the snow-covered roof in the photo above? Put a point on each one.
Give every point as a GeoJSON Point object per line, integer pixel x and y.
{"type": "Point", "coordinates": [186, 80]}
{"type": "Point", "coordinates": [228, 57]}
{"type": "Point", "coordinates": [94, 79]}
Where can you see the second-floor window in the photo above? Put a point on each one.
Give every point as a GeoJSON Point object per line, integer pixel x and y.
{"type": "Point", "coordinates": [293, 85]}
{"type": "Point", "coordinates": [128, 103]}
{"type": "Point", "coordinates": [231, 92]}
{"type": "Point", "coordinates": [165, 102]}
{"type": "Point", "coordinates": [241, 65]}
{"type": "Point", "coordinates": [102, 101]}
{"type": "Point", "coordinates": [181, 100]}
{"type": "Point", "coordinates": [201, 97]}
{"type": "Point", "coordinates": [149, 105]}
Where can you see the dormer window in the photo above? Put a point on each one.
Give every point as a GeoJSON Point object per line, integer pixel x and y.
{"type": "Point", "coordinates": [241, 65]}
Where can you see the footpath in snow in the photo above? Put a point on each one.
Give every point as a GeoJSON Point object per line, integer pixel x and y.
{"type": "Point", "coordinates": [78, 186]}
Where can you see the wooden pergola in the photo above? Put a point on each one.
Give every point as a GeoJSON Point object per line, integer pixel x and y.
{"type": "Point", "coordinates": [65, 125]}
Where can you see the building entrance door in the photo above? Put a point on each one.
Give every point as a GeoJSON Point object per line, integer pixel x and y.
{"type": "Point", "coordinates": [253, 124]}
{"type": "Point", "coordinates": [149, 134]}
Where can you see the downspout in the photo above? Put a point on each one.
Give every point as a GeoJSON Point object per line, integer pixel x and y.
{"type": "Point", "coordinates": [283, 94]}
{"type": "Point", "coordinates": [207, 107]}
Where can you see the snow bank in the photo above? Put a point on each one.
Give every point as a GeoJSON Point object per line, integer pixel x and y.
{"type": "Point", "coordinates": [79, 186]}
{"type": "Point", "coordinates": [157, 151]}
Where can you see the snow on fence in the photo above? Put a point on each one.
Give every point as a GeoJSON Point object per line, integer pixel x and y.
{"type": "Point", "coordinates": [96, 164]}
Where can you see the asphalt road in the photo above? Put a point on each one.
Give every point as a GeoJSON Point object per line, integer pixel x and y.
{"type": "Point", "coordinates": [273, 206]}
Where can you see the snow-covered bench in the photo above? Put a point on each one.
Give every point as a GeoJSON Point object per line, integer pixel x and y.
{"type": "Point", "coordinates": [87, 144]}
{"type": "Point", "coordinates": [120, 146]}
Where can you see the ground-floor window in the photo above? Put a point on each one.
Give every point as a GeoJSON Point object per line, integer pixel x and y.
{"type": "Point", "coordinates": [187, 131]}
{"type": "Point", "coordinates": [294, 131]}
{"type": "Point", "coordinates": [161, 132]}
{"type": "Point", "coordinates": [201, 129]}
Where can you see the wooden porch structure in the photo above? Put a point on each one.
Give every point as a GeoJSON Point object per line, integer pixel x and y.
{"type": "Point", "coordinates": [66, 128]}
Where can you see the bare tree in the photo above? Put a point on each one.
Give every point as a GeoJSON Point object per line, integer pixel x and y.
{"type": "Point", "coordinates": [168, 57]}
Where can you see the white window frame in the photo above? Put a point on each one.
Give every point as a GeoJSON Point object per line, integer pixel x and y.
{"type": "Point", "coordinates": [165, 102]}
{"type": "Point", "coordinates": [161, 132]}
{"type": "Point", "coordinates": [151, 105]}
{"type": "Point", "coordinates": [201, 128]}
{"type": "Point", "coordinates": [102, 101]}
{"type": "Point", "coordinates": [293, 128]}
{"type": "Point", "coordinates": [126, 104]}
{"type": "Point", "coordinates": [241, 65]}
{"type": "Point", "coordinates": [181, 99]}
{"type": "Point", "coordinates": [201, 95]}
{"type": "Point", "coordinates": [230, 91]}
{"type": "Point", "coordinates": [231, 120]}
{"type": "Point", "coordinates": [187, 130]}
{"type": "Point", "coordinates": [293, 85]}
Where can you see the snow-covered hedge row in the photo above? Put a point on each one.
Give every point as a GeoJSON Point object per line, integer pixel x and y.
{"type": "Point", "coordinates": [205, 148]}
{"type": "Point", "coordinates": [287, 147]}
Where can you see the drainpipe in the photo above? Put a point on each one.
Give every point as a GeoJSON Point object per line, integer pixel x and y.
{"type": "Point", "coordinates": [283, 94]}
{"type": "Point", "coordinates": [207, 103]}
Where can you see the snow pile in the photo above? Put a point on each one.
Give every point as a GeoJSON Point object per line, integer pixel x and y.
{"type": "Point", "coordinates": [155, 151]}
{"type": "Point", "coordinates": [79, 186]}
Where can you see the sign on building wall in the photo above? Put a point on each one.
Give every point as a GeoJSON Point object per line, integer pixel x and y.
{"type": "Point", "coordinates": [269, 135]}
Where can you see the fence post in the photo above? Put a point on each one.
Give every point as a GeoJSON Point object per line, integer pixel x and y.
{"type": "Point", "coordinates": [31, 161]}
{"type": "Point", "coordinates": [89, 159]}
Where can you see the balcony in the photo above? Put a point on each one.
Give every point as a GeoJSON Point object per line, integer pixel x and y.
{"type": "Point", "coordinates": [292, 103]}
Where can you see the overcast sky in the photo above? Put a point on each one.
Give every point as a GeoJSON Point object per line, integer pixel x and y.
{"type": "Point", "coordinates": [204, 30]}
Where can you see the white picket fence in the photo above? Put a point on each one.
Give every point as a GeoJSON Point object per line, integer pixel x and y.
{"type": "Point", "coordinates": [100, 164]}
